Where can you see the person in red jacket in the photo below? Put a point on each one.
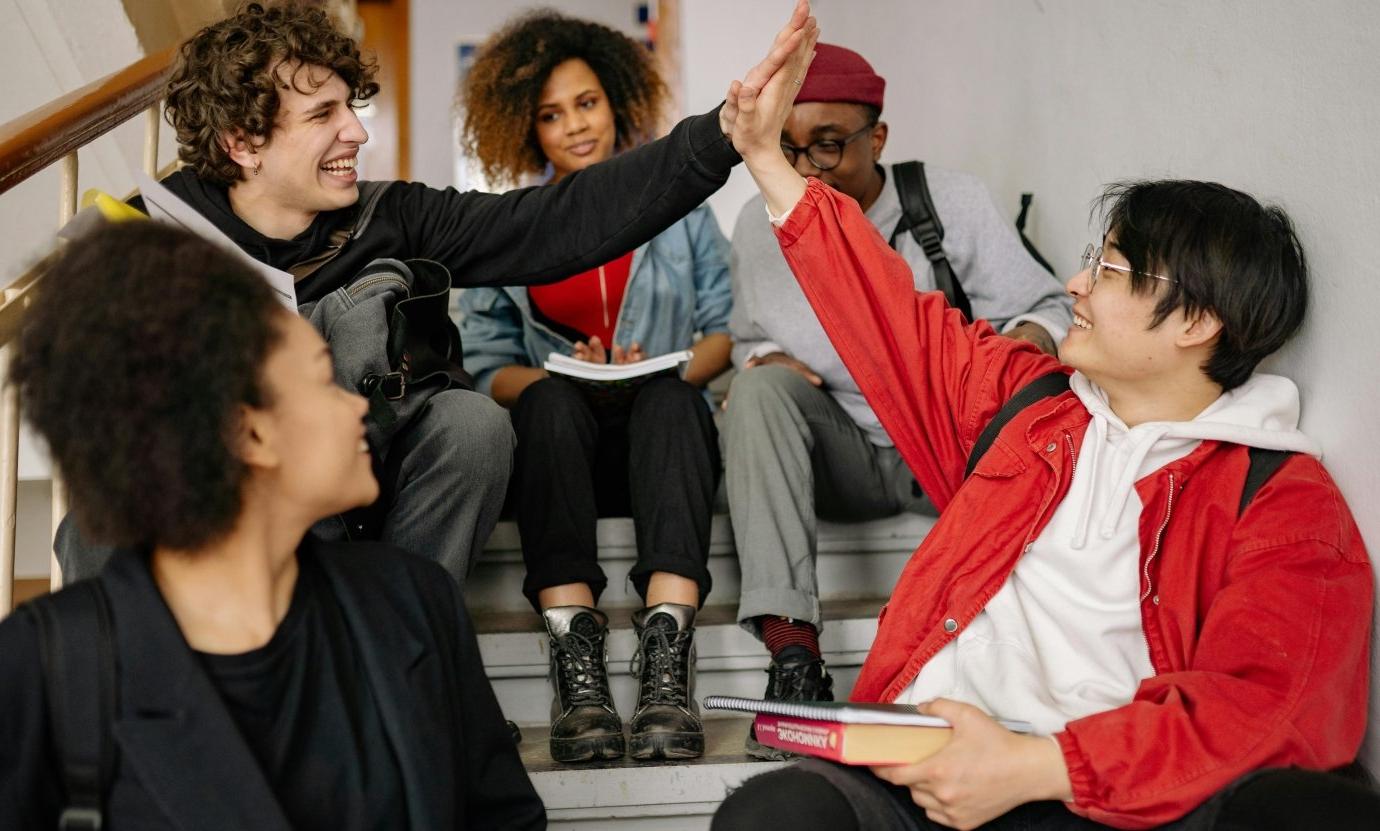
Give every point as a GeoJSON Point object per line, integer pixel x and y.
{"type": "Point", "coordinates": [1097, 574]}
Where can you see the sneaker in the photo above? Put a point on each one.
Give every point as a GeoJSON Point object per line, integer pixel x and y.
{"type": "Point", "coordinates": [666, 723]}
{"type": "Point", "coordinates": [585, 727]}
{"type": "Point", "coordinates": [795, 674]}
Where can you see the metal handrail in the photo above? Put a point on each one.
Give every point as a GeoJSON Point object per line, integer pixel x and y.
{"type": "Point", "coordinates": [50, 134]}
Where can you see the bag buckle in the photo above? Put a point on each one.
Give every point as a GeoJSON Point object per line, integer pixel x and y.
{"type": "Point", "coordinates": [393, 385]}
{"type": "Point", "coordinates": [79, 819]}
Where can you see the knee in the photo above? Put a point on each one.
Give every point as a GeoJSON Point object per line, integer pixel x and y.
{"type": "Point", "coordinates": [469, 423]}
{"type": "Point", "coordinates": [786, 798]}
{"type": "Point", "coordinates": [549, 403]}
{"type": "Point", "coordinates": [763, 388]}
{"type": "Point", "coordinates": [662, 398]}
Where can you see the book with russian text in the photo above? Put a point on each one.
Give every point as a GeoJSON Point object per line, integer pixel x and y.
{"type": "Point", "coordinates": [854, 734]}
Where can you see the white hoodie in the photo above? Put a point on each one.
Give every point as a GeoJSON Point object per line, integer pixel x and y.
{"type": "Point", "coordinates": [1062, 637]}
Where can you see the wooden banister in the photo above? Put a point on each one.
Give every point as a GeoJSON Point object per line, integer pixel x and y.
{"type": "Point", "coordinates": [41, 137]}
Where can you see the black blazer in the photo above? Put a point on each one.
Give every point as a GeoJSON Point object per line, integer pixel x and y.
{"type": "Point", "coordinates": [181, 761]}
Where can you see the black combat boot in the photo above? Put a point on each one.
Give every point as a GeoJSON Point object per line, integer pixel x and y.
{"type": "Point", "coordinates": [794, 675]}
{"type": "Point", "coordinates": [584, 725]}
{"type": "Point", "coordinates": [667, 722]}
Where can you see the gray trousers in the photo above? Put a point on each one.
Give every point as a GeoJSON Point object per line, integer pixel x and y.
{"type": "Point", "coordinates": [445, 477]}
{"type": "Point", "coordinates": [792, 454]}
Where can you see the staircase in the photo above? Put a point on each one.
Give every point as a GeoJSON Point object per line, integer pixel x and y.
{"type": "Point", "coordinates": [858, 563]}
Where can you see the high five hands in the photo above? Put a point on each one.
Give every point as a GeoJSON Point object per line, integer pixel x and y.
{"type": "Point", "coordinates": [766, 93]}
{"type": "Point", "coordinates": [756, 108]}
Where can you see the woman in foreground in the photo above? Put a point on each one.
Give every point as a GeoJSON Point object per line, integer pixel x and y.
{"type": "Point", "coordinates": [259, 680]}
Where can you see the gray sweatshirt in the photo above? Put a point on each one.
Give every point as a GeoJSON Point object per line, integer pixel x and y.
{"type": "Point", "coordinates": [1004, 284]}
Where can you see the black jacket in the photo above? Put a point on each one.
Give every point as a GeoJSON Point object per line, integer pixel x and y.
{"type": "Point", "coordinates": [522, 237]}
{"type": "Point", "coordinates": [181, 762]}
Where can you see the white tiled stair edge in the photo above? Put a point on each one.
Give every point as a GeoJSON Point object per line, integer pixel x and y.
{"type": "Point", "coordinates": [631, 797]}
{"type": "Point", "coordinates": [857, 559]}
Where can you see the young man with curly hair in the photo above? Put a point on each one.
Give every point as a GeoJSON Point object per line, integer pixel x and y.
{"type": "Point", "coordinates": [1144, 559]}
{"type": "Point", "coordinates": [264, 108]}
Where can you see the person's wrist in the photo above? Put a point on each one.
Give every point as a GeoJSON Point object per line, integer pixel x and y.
{"type": "Point", "coordinates": [1046, 773]}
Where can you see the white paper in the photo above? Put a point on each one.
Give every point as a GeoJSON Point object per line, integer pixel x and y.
{"type": "Point", "coordinates": [163, 206]}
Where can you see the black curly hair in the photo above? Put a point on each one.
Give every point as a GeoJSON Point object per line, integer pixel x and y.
{"type": "Point", "coordinates": [500, 93]}
{"type": "Point", "coordinates": [133, 362]}
{"type": "Point", "coordinates": [226, 78]}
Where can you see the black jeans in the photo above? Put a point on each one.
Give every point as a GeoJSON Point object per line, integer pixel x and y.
{"type": "Point", "coordinates": [815, 795]}
{"type": "Point", "coordinates": [654, 457]}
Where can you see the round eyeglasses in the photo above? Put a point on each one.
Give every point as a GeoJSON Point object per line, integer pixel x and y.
{"type": "Point", "coordinates": [1093, 264]}
{"type": "Point", "coordinates": [824, 154]}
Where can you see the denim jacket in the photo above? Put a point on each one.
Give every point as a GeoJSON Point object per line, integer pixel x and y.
{"type": "Point", "coordinates": [678, 285]}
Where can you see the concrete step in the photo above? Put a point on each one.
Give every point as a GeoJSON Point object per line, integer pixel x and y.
{"type": "Point", "coordinates": [629, 796]}
{"type": "Point", "coordinates": [729, 661]}
{"type": "Point", "coordinates": [858, 559]}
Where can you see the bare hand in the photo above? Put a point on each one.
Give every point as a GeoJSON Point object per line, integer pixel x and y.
{"type": "Point", "coordinates": [593, 352]}
{"type": "Point", "coordinates": [631, 355]}
{"type": "Point", "coordinates": [984, 771]}
{"type": "Point", "coordinates": [790, 54]}
{"type": "Point", "coordinates": [782, 359]}
{"type": "Point", "coordinates": [1031, 332]}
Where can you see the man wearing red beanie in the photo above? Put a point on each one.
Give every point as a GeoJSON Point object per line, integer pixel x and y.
{"type": "Point", "coordinates": [795, 407]}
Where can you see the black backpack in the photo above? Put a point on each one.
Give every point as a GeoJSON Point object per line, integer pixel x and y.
{"type": "Point", "coordinates": [919, 217]}
{"type": "Point", "coordinates": [1262, 466]}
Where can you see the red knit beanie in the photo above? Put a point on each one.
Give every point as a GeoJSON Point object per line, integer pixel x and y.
{"type": "Point", "coordinates": [839, 74]}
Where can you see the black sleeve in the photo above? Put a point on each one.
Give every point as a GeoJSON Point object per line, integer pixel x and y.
{"type": "Point", "coordinates": [497, 791]}
{"type": "Point", "coordinates": [540, 234]}
{"type": "Point", "coordinates": [29, 794]}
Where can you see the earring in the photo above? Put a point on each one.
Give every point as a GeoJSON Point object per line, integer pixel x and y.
{"type": "Point", "coordinates": [257, 167]}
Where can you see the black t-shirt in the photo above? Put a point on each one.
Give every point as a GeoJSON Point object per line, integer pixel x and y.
{"type": "Point", "coordinates": [306, 710]}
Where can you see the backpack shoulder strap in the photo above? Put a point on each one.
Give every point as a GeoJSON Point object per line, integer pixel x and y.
{"type": "Point", "coordinates": [1263, 465]}
{"type": "Point", "coordinates": [922, 221]}
{"type": "Point", "coordinates": [76, 646]}
{"type": "Point", "coordinates": [1026, 199]}
{"type": "Point", "coordinates": [1046, 386]}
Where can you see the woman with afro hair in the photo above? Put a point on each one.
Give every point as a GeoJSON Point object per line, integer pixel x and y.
{"type": "Point", "coordinates": [253, 676]}
{"type": "Point", "coordinates": [552, 94]}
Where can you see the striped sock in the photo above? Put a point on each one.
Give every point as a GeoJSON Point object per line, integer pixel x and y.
{"type": "Point", "coordinates": [781, 632]}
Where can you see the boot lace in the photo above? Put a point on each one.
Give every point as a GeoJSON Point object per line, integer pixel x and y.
{"type": "Point", "coordinates": [792, 683]}
{"type": "Point", "coordinates": [661, 665]}
{"type": "Point", "coordinates": [583, 674]}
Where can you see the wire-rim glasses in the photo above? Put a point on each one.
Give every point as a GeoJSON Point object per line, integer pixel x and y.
{"type": "Point", "coordinates": [1093, 264]}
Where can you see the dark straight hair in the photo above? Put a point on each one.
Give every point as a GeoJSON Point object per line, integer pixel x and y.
{"type": "Point", "coordinates": [1227, 254]}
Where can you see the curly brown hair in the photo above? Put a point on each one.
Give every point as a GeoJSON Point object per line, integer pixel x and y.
{"type": "Point", "coordinates": [501, 91]}
{"type": "Point", "coordinates": [134, 363]}
{"type": "Point", "coordinates": [226, 78]}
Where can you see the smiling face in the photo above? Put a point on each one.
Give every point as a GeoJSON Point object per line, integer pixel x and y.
{"type": "Point", "coordinates": [574, 122]}
{"type": "Point", "coordinates": [309, 445]}
{"type": "Point", "coordinates": [856, 173]}
{"type": "Point", "coordinates": [1111, 340]}
{"type": "Point", "coordinates": [307, 165]}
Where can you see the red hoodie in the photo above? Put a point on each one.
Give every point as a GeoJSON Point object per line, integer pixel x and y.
{"type": "Point", "coordinates": [1258, 628]}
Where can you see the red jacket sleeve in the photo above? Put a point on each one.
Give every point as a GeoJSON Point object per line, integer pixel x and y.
{"type": "Point", "coordinates": [1277, 676]}
{"type": "Point", "coordinates": [934, 380]}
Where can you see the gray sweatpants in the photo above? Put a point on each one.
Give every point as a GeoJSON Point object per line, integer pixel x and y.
{"type": "Point", "coordinates": [791, 454]}
{"type": "Point", "coordinates": [449, 472]}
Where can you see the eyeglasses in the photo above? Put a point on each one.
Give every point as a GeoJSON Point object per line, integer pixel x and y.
{"type": "Point", "coordinates": [824, 154]}
{"type": "Point", "coordinates": [1093, 264]}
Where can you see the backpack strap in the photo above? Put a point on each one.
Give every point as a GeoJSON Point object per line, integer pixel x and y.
{"type": "Point", "coordinates": [1262, 466]}
{"type": "Point", "coordinates": [1046, 386]}
{"type": "Point", "coordinates": [920, 219]}
{"type": "Point", "coordinates": [1026, 199]}
{"type": "Point", "coordinates": [369, 195]}
{"type": "Point", "coordinates": [76, 646]}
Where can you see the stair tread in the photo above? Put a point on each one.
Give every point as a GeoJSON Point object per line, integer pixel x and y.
{"type": "Point", "coordinates": [723, 745]}
{"type": "Point", "coordinates": [501, 622]}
